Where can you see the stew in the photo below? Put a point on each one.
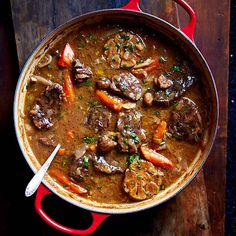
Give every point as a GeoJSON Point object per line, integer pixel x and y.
{"type": "Point", "coordinates": [126, 104]}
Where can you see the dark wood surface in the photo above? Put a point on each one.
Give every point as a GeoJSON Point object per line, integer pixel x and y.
{"type": "Point", "coordinates": [199, 209]}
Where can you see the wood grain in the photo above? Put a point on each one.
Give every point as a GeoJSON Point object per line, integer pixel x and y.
{"type": "Point", "coordinates": [197, 210]}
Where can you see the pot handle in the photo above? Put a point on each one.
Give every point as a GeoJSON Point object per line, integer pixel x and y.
{"type": "Point", "coordinates": [97, 218]}
{"type": "Point", "coordinates": [188, 30]}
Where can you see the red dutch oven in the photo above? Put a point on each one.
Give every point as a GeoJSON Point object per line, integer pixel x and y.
{"type": "Point", "coordinates": [131, 13]}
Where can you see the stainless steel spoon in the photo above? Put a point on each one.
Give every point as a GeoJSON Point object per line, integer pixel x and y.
{"type": "Point", "coordinates": [38, 177]}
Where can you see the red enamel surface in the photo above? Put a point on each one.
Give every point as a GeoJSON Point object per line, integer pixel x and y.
{"type": "Point", "coordinates": [97, 218]}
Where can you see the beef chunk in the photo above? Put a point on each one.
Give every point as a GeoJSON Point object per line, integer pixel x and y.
{"type": "Point", "coordinates": [186, 122]}
{"type": "Point", "coordinates": [101, 165]}
{"type": "Point", "coordinates": [47, 105]}
{"type": "Point", "coordinates": [98, 118]}
{"type": "Point", "coordinates": [162, 82]}
{"type": "Point", "coordinates": [47, 141]}
{"type": "Point", "coordinates": [103, 83]}
{"type": "Point", "coordinates": [78, 166]}
{"type": "Point", "coordinates": [141, 180]}
{"type": "Point", "coordinates": [81, 72]}
{"type": "Point", "coordinates": [126, 85]}
{"type": "Point", "coordinates": [179, 87]}
{"type": "Point", "coordinates": [130, 135]}
{"type": "Point", "coordinates": [106, 142]}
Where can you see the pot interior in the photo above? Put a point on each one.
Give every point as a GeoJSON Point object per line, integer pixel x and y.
{"type": "Point", "coordinates": [118, 16]}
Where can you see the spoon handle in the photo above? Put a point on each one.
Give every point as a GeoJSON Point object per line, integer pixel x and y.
{"type": "Point", "coordinates": [38, 177]}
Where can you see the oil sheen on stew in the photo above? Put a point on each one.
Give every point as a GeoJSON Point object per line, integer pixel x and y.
{"type": "Point", "coordinates": [127, 107]}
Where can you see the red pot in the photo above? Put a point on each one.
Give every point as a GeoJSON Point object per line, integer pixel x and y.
{"type": "Point", "coordinates": [130, 12]}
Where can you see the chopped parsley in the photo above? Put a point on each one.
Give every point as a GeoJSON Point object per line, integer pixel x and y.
{"type": "Point", "coordinates": [175, 104]}
{"type": "Point", "coordinates": [86, 161]}
{"type": "Point", "coordinates": [91, 37]}
{"type": "Point", "coordinates": [64, 163]}
{"type": "Point", "coordinates": [132, 158]}
{"type": "Point", "coordinates": [88, 187]}
{"type": "Point", "coordinates": [49, 66]}
{"type": "Point", "coordinates": [126, 47]}
{"type": "Point", "coordinates": [131, 47]}
{"type": "Point", "coordinates": [126, 126]}
{"type": "Point", "coordinates": [80, 97]}
{"type": "Point", "coordinates": [134, 137]}
{"type": "Point", "coordinates": [157, 113]}
{"type": "Point", "coordinates": [87, 83]}
{"type": "Point", "coordinates": [124, 36]}
{"type": "Point", "coordinates": [94, 103]}
{"type": "Point", "coordinates": [126, 141]}
{"type": "Point", "coordinates": [89, 139]}
{"type": "Point", "coordinates": [176, 68]}
{"type": "Point", "coordinates": [167, 93]}
{"type": "Point", "coordinates": [118, 45]}
{"type": "Point", "coordinates": [139, 177]}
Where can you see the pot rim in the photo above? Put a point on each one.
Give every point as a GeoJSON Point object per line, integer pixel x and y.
{"type": "Point", "coordinates": [184, 39]}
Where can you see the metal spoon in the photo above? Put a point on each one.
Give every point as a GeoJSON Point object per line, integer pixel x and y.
{"type": "Point", "coordinates": [38, 177]}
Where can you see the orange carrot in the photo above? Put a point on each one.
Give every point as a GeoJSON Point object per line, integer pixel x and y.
{"type": "Point", "coordinates": [67, 56]}
{"type": "Point", "coordinates": [63, 179]}
{"type": "Point", "coordinates": [154, 65]}
{"type": "Point", "coordinates": [92, 147]}
{"type": "Point", "coordinates": [70, 134]}
{"type": "Point", "coordinates": [77, 189]}
{"type": "Point", "coordinates": [159, 132]}
{"type": "Point", "coordinates": [113, 102]}
{"type": "Point", "coordinates": [60, 176]}
{"type": "Point", "coordinates": [68, 87]}
{"type": "Point", "coordinates": [61, 151]}
{"type": "Point", "coordinates": [156, 158]}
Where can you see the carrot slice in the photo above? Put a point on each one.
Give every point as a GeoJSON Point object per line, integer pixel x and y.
{"type": "Point", "coordinates": [154, 65]}
{"type": "Point", "coordinates": [156, 158]}
{"type": "Point", "coordinates": [113, 102]}
{"type": "Point", "coordinates": [159, 132]}
{"type": "Point", "coordinates": [63, 179]}
{"type": "Point", "coordinates": [60, 176]}
{"type": "Point", "coordinates": [61, 151]}
{"type": "Point", "coordinates": [70, 134]}
{"type": "Point", "coordinates": [67, 56]}
{"type": "Point", "coordinates": [68, 87]}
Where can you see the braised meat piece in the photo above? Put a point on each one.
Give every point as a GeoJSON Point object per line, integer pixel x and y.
{"type": "Point", "coordinates": [167, 96]}
{"type": "Point", "coordinates": [46, 106]}
{"type": "Point", "coordinates": [126, 85]}
{"type": "Point", "coordinates": [81, 72]}
{"type": "Point", "coordinates": [98, 118]}
{"type": "Point", "coordinates": [101, 165]}
{"type": "Point", "coordinates": [130, 134]}
{"type": "Point", "coordinates": [141, 180]}
{"type": "Point", "coordinates": [162, 82]}
{"type": "Point", "coordinates": [79, 164]}
{"type": "Point", "coordinates": [47, 141]}
{"type": "Point", "coordinates": [186, 122]}
{"type": "Point", "coordinates": [107, 142]}
{"type": "Point", "coordinates": [103, 83]}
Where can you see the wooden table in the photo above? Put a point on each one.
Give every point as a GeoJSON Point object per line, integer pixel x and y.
{"type": "Point", "coordinates": [200, 208]}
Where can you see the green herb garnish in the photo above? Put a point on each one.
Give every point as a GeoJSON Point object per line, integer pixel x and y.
{"type": "Point", "coordinates": [131, 47]}
{"type": "Point", "coordinates": [87, 83]}
{"type": "Point", "coordinates": [86, 161]}
{"type": "Point", "coordinates": [176, 68]}
{"type": "Point", "coordinates": [124, 36]}
{"type": "Point", "coordinates": [107, 47]}
{"type": "Point", "coordinates": [126, 126]}
{"type": "Point", "coordinates": [157, 113]}
{"type": "Point", "coordinates": [132, 158]}
{"type": "Point", "coordinates": [91, 37]}
{"type": "Point", "coordinates": [80, 97]}
{"type": "Point", "coordinates": [50, 66]}
{"type": "Point", "coordinates": [134, 137]}
{"type": "Point", "coordinates": [89, 140]}
{"type": "Point", "coordinates": [118, 45]}
{"type": "Point", "coordinates": [88, 187]}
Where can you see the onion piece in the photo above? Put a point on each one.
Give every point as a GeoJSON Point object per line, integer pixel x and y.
{"type": "Point", "coordinates": [45, 61]}
{"type": "Point", "coordinates": [40, 79]}
{"type": "Point", "coordinates": [81, 150]}
{"type": "Point", "coordinates": [129, 105]}
{"type": "Point", "coordinates": [144, 64]}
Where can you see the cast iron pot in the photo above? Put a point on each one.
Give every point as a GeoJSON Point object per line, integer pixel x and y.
{"type": "Point", "coordinates": [129, 13]}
